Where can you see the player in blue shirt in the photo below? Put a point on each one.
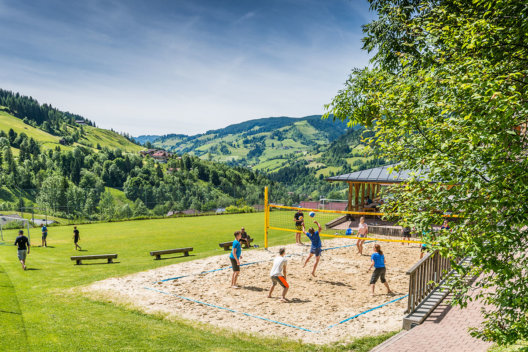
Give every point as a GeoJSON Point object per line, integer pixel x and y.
{"type": "Point", "coordinates": [234, 257]}
{"type": "Point", "coordinates": [316, 245]}
{"type": "Point", "coordinates": [44, 236]}
{"type": "Point", "coordinates": [378, 262]}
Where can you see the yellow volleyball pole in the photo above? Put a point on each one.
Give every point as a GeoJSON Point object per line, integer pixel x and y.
{"type": "Point", "coordinates": [266, 217]}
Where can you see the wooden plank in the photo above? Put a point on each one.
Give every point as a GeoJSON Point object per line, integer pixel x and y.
{"type": "Point", "coordinates": [356, 187]}
{"type": "Point", "coordinates": [170, 251]}
{"type": "Point", "coordinates": [95, 256]}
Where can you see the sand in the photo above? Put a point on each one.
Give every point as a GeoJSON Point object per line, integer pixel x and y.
{"type": "Point", "coordinates": [339, 291]}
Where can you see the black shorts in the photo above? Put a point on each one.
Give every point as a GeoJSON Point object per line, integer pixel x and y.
{"type": "Point", "coordinates": [408, 235]}
{"type": "Point", "coordinates": [316, 251]}
{"type": "Point", "coordinates": [379, 273]}
{"type": "Point", "coordinates": [234, 264]}
{"type": "Point", "coordinates": [279, 280]}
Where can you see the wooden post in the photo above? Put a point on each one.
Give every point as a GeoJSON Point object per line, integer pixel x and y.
{"type": "Point", "coordinates": [368, 191]}
{"type": "Point", "coordinates": [362, 195]}
{"type": "Point", "coordinates": [266, 218]}
{"type": "Point", "coordinates": [350, 196]}
{"type": "Point", "coordinates": [356, 187]}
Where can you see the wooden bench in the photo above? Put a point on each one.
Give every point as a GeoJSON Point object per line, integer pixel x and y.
{"type": "Point", "coordinates": [227, 245]}
{"type": "Point", "coordinates": [80, 258]}
{"type": "Point", "coordinates": [185, 252]}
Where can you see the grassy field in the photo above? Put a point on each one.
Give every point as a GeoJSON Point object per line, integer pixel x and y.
{"type": "Point", "coordinates": [40, 310]}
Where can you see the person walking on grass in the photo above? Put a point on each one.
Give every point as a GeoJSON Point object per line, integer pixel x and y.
{"type": "Point", "coordinates": [24, 248]}
{"type": "Point", "coordinates": [44, 235]}
{"type": "Point", "coordinates": [362, 233]}
{"type": "Point", "coordinates": [76, 238]}
{"type": "Point", "coordinates": [378, 262]}
{"type": "Point", "coordinates": [234, 257]}
{"type": "Point", "coordinates": [316, 247]}
{"type": "Point", "coordinates": [278, 275]}
{"type": "Point", "coordinates": [298, 218]}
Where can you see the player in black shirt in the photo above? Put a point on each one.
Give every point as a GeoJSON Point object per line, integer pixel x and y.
{"type": "Point", "coordinates": [76, 237]}
{"type": "Point", "coordinates": [298, 218]}
{"type": "Point", "coordinates": [23, 248]}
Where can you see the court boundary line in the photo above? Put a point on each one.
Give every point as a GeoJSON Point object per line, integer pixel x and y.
{"type": "Point", "coordinates": [275, 321]}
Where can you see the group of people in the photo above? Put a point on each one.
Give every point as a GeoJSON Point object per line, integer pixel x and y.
{"type": "Point", "coordinates": [407, 232]}
{"type": "Point", "coordinates": [24, 246]}
{"type": "Point", "coordinates": [278, 270]}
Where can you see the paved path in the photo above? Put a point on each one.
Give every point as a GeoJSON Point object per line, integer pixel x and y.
{"type": "Point", "coordinates": [446, 329]}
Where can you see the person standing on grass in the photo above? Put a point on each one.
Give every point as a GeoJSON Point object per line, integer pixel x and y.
{"type": "Point", "coordinates": [278, 274]}
{"type": "Point", "coordinates": [316, 247]}
{"type": "Point", "coordinates": [362, 233]}
{"type": "Point", "coordinates": [76, 238]}
{"type": "Point", "coordinates": [23, 248]}
{"type": "Point", "coordinates": [298, 218]}
{"type": "Point", "coordinates": [44, 236]}
{"type": "Point", "coordinates": [234, 257]}
{"type": "Point", "coordinates": [378, 262]}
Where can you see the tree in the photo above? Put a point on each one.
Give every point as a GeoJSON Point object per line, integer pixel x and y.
{"type": "Point", "coordinates": [107, 206]}
{"type": "Point", "coordinates": [446, 97]}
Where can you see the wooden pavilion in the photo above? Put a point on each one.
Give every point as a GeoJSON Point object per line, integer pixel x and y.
{"type": "Point", "coordinates": [368, 183]}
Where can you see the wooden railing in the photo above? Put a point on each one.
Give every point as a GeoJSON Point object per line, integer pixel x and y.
{"type": "Point", "coordinates": [424, 277]}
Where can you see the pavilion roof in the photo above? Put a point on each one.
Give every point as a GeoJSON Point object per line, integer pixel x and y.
{"type": "Point", "coordinates": [376, 175]}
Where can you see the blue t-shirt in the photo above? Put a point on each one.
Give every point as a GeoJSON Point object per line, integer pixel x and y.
{"type": "Point", "coordinates": [316, 240]}
{"type": "Point", "coordinates": [238, 247]}
{"type": "Point", "coordinates": [44, 229]}
{"type": "Point", "coordinates": [379, 260]}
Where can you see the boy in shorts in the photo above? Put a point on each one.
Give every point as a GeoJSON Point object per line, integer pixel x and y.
{"type": "Point", "coordinates": [278, 274]}
{"type": "Point", "coordinates": [234, 257]}
{"type": "Point", "coordinates": [24, 248]}
{"type": "Point", "coordinates": [316, 247]}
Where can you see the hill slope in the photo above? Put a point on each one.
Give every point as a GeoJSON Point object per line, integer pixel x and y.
{"type": "Point", "coordinates": [89, 136]}
{"type": "Point", "coordinates": [263, 144]}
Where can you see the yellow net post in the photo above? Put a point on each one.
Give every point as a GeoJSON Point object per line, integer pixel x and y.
{"type": "Point", "coordinates": [266, 217]}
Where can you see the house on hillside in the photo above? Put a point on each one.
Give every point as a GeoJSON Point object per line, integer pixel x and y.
{"type": "Point", "coordinates": [157, 154]}
{"type": "Point", "coordinates": [81, 122]}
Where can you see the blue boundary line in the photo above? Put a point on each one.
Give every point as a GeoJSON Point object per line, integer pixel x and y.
{"type": "Point", "coordinates": [245, 264]}
{"type": "Point", "coordinates": [231, 310]}
{"type": "Point", "coordinates": [275, 321]}
{"type": "Point", "coordinates": [365, 312]}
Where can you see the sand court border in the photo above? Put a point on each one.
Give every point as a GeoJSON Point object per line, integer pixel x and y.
{"type": "Point", "coordinates": [335, 306]}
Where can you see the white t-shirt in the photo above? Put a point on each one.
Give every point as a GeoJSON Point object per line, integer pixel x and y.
{"type": "Point", "coordinates": [278, 263]}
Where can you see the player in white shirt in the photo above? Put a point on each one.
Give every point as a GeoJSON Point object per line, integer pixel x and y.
{"type": "Point", "coordinates": [278, 274]}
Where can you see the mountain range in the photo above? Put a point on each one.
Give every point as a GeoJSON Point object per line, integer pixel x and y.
{"type": "Point", "coordinates": [274, 143]}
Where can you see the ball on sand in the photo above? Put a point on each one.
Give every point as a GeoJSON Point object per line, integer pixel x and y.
{"type": "Point", "coordinates": [349, 232]}
{"type": "Point", "coordinates": [312, 214]}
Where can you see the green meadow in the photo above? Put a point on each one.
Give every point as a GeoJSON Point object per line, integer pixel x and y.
{"type": "Point", "coordinates": [40, 310]}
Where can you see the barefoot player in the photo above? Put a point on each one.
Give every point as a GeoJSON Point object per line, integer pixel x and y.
{"type": "Point", "coordinates": [298, 218]}
{"type": "Point", "coordinates": [316, 245]}
{"type": "Point", "coordinates": [234, 257]}
{"type": "Point", "coordinates": [278, 274]}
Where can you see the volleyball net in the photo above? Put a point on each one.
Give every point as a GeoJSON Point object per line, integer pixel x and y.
{"type": "Point", "coordinates": [334, 223]}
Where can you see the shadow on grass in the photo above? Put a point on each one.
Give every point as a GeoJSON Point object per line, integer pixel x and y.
{"type": "Point", "coordinates": [104, 263]}
{"type": "Point", "coordinates": [31, 269]}
{"type": "Point", "coordinates": [180, 256]}
{"type": "Point", "coordinates": [8, 312]}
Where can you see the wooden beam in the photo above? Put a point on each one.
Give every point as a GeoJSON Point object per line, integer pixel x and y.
{"type": "Point", "coordinates": [356, 186]}
{"type": "Point", "coordinates": [350, 196]}
{"type": "Point", "coordinates": [362, 195]}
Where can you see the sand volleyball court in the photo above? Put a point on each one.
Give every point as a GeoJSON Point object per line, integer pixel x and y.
{"type": "Point", "coordinates": [334, 306]}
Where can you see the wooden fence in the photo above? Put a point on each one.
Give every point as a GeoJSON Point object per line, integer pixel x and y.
{"type": "Point", "coordinates": [424, 277]}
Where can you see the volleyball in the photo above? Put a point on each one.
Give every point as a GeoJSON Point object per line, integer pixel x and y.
{"type": "Point", "coordinates": [312, 214]}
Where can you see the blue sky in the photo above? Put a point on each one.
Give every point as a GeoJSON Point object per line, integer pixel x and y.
{"type": "Point", "coordinates": [158, 67]}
